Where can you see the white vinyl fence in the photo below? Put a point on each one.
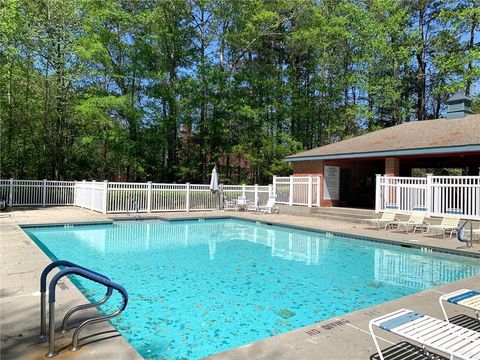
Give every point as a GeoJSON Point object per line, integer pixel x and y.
{"type": "Point", "coordinates": [37, 192]}
{"type": "Point", "coordinates": [437, 195]}
{"type": "Point", "coordinates": [91, 195]}
{"type": "Point", "coordinates": [256, 194]}
{"type": "Point", "coordinates": [297, 190]}
{"type": "Point", "coordinates": [151, 197]}
{"type": "Point", "coordinates": [123, 197]}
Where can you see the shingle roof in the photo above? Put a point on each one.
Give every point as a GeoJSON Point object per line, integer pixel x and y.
{"type": "Point", "coordinates": [429, 136]}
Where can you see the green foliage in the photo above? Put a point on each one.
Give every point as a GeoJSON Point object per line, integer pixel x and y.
{"type": "Point", "coordinates": [162, 90]}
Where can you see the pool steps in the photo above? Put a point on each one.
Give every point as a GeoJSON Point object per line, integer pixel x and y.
{"type": "Point", "coordinates": [344, 214]}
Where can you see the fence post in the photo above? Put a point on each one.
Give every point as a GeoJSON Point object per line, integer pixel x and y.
{"type": "Point", "coordinates": [92, 193]}
{"type": "Point", "coordinates": [149, 196]}
{"type": "Point", "coordinates": [377, 193]}
{"type": "Point", "coordinates": [309, 191]}
{"type": "Point", "coordinates": [319, 182]}
{"type": "Point", "coordinates": [44, 192]}
{"type": "Point", "coordinates": [83, 192]}
{"type": "Point", "coordinates": [270, 191]}
{"type": "Point", "coordinates": [187, 200]}
{"type": "Point", "coordinates": [105, 195]}
{"type": "Point", "coordinates": [10, 194]}
{"type": "Point", "coordinates": [398, 189]}
{"type": "Point", "coordinates": [75, 192]}
{"type": "Point", "coordinates": [274, 186]}
{"type": "Point", "coordinates": [256, 195]}
{"type": "Point", "coordinates": [428, 195]}
{"type": "Point", "coordinates": [243, 191]}
{"type": "Point", "coordinates": [290, 197]}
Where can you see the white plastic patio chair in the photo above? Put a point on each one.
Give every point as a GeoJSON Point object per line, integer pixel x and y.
{"type": "Point", "coordinates": [469, 299]}
{"type": "Point", "coordinates": [269, 208]}
{"type": "Point", "coordinates": [454, 340]}
{"type": "Point", "coordinates": [416, 221]}
{"type": "Point", "coordinates": [387, 217]}
{"type": "Point", "coordinates": [251, 207]}
{"type": "Point", "coordinates": [449, 224]}
{"type": "Point", "coordinates": [230, 205]}
{"type": "Point", "coordinates": [242, 203]}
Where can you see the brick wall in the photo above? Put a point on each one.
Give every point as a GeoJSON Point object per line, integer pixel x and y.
{"type": "Point", "coordinates": [306, 168]}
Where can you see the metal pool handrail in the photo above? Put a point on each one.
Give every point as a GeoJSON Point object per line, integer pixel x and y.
{"type": "Point", "coordinates": [87, 274]}
{"type": "Point", "coordinates": [43, 297]}
{"type": "Point", "coordinates": [90, 275]}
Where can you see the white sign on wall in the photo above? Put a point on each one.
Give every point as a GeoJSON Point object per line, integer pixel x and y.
{"type": "Point", "coordinates": [331, 185]}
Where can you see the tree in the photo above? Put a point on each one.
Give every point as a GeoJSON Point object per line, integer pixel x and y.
{"type": "Point", "coordinates": [162, 90]}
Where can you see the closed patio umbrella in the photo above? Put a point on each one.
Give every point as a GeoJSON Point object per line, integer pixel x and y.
{"type": "Point", "coordinates": [214, 188]}
{"type": "Point", "coordinates": [214, 181]}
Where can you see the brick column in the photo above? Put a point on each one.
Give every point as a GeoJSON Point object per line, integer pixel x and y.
{"type": "Point", "coordinates": [392, 166]}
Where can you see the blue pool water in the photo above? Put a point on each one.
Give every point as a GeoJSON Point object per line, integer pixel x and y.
{"type": "Point", "coordinates": [201, 287]}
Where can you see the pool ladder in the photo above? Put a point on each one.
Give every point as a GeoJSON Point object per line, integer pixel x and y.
{"type": "Point", "coordinates": [71, 268]}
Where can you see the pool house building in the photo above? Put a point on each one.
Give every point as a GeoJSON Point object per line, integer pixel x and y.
{"type": "Point", "coordinates": [375, 170]}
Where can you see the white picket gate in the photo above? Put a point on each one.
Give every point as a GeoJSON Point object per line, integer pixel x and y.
{"type": "Point", "coordinates": [297, 190]}
{"type": "Point", "coordinates": [437, 195]}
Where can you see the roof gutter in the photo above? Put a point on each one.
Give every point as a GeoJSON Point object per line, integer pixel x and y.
{"type": "Point", "coordinates": [387, 153]}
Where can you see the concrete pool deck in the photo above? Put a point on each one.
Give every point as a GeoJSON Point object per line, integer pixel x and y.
{"type": "Point", "coordinates": [345, 337]}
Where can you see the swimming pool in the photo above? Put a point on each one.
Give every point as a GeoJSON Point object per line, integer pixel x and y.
{"type": "Point", "coordinates": [199, 287]}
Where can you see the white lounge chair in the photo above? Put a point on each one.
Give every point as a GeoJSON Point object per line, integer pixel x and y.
{"type": "Point", "coordinates": [387, 217]}
{"type": "Point", "coordinates": [269, 208]}
{"type": "Point", "coordinates": [416, 221]}
{"type": "Point", "coordinates": [469, 299]}
{"type": "Point", "coordinates": [430, 332]}
{"type": "Point", "coordinates": [449, 224]}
